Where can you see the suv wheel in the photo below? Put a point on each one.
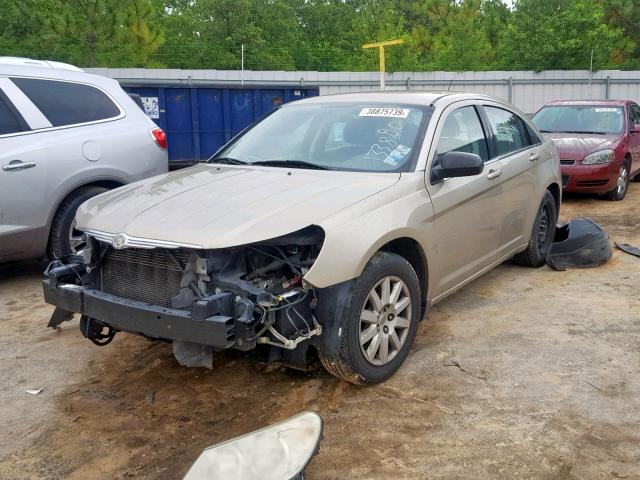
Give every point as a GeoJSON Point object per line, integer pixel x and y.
{"type": "Point", "coordinates": [370, 322]}
{"type": "Point", "coordinates": [65, 240]}
{"type": "Point", "coordinates": [542, 234]}
{"type": "Point", "coordinates": [622, 184]}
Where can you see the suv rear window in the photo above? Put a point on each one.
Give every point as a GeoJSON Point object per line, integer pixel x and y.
{"type": "Point", "coordinates": [9, 123]}
{"type": "Point", "coordinates": [65, 103]}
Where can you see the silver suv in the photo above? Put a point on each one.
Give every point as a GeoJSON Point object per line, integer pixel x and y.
{"type": "Point", "coordinates": [65, 136]}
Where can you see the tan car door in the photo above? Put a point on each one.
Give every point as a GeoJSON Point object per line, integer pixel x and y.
{"type": "Point", "coordinates": [517, 157]}
{"type": "Point", "coordinates": [466, 209]}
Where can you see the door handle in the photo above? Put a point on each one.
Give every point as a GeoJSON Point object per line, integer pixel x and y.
{"type": "Point", "coordinates": [533, 157]}
{"type": "Point", "coordinates": [494, 173]}
{"type": "Point", "coordinates": [18, 165]}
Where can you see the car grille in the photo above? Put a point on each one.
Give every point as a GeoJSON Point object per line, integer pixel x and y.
{"type": "Point", "coordinates": [150, 276]}
{"type": "Point", "coordinates": [565, 161]}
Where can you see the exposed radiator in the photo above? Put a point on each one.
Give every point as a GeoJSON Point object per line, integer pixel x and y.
{"type": "Point", "coordinates": [150, 276]}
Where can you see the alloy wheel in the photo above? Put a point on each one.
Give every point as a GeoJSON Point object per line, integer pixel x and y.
{"type": "Point", "coordinates": [621, 182]}
{"type": "Point", "coordinates": [384, 320]}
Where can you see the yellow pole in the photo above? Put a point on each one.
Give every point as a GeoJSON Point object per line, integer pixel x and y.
{"type": "Point", "coordinates": [382, 71]}
{"type": "Point", "coordinates": [380, 46]}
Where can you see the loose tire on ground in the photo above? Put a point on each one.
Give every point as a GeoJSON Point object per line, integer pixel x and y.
{"type": "Point", "coordinates": [545, 224]}
{"type": "Point", "coordinates": [59, 241]}
{"type": "Point", "coordinates": [341, 307]}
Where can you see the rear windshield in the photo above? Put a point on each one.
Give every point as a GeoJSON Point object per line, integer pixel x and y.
{"type": "Point", "coordinates": [594, 119]}
{"type": "Point", "coordinates": [335, 136]}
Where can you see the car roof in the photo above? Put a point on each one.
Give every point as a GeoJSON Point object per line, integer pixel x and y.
{"type": "Point", "coordinates": [410, 97]}
{"type": "Point", "coordinates": [24, 67]}
{"type": "Point", "coordinates": [28, 62]}
{"type": "Point", "coordinates": [615, 102]}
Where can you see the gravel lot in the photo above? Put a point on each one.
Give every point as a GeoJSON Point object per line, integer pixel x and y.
{"type": "Point", "coordinates": [522, 374]}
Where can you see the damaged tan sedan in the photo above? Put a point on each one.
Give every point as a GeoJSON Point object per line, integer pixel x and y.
{"type": "Point", "coordinates": [334, 223]}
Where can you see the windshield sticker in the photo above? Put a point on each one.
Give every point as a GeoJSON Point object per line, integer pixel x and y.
{"type": "Point", "coordinates": [391, 112]}
{"type": "Point", "coordinates": [607, 109]}
{"type": "Point", "coordinates": [396, 157]}
{"type": "Point", "coordinates": [386, 144]}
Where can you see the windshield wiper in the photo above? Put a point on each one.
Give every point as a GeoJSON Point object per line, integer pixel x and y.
{"type": "Point", "coordinates": [290, 163]}
{"type": "Point", "coordinates": [228, 161]}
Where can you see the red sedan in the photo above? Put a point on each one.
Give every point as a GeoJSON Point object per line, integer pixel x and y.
{"type": "Point", "coordinates": [598, 142]}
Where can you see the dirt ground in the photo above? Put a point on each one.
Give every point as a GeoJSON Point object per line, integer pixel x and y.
{"type": "Point", "coordinates": [525, 373]}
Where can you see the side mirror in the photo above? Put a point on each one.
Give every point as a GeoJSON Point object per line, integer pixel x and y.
{"type": "Point", "coordinates": [635, 128]}
{"type": "Point", "coordinates": [457, 164]}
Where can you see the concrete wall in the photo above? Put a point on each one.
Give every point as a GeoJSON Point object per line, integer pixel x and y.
{"type": "Point", "coordinates": [527, 90]}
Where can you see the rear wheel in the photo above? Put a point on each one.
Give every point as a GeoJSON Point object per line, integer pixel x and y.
{"type": "Point", "coordinates": [65, 239]}
{"type": "Point", "coordinates": [544, 228]}
{"type": "Point", "coordinates": [622, 184]}
{"type": "Point", "coordinates": [370, 323]}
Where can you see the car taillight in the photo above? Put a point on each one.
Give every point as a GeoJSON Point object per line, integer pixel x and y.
{"type": "Point", "coordinates": [160, 137]}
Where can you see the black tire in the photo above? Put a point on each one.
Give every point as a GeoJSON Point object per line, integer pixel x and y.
{"type": "Point", "coordinates": [544, 228]}
{"type": "Point", "coordinates": [59, 242]}
{"type": "Point", "coordinates": [618, 193]}
{"type": "Point", "coordinates": [339, 311]}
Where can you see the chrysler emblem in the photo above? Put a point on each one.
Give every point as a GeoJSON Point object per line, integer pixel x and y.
{"type": "Point", "coordinates": [119, 241]}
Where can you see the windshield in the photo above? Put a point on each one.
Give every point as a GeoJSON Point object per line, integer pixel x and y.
{"type": "Point", "coordinates": [333, 136]}
{"type": "Point", "coordinates": [595, 119]}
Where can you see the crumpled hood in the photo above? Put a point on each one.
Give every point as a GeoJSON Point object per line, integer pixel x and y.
{"type": "Point", "coordinates": [216, 207]}
{"type": "Point", "coordinates": [576, 146]}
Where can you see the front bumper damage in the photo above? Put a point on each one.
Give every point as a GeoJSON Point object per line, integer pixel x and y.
{"type": "Point", "coordinates": [222, 329]}
{"type": "Point", "coordinates": [238, 298]}
{"type": "Point", "coordinates": [581, 243]}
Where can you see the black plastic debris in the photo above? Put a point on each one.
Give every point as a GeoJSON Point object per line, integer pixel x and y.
{"type": "Point", "coordinates": [630, 249]}
{"type": "Point", "coordinates": [581, 243]}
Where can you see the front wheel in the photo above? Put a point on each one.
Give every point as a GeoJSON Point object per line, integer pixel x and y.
{"type": "Point", "coordinates": [65, 239]}
{"type": "Point", "coordinates": [544, 228]}
{"type": "Point", "coordinates": [622, 184]}
{"type": "Point", "coordinates": [370, 323]}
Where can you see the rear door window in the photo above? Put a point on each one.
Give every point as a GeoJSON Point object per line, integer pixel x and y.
{"type": "Point", "coordinates": [533, 136]}
{"type": "Point", "coordinates": [634, 115]}
{"type": "Point", "coordinates": [65, 103]}
{"type": "Point", "coordinates": [9, 120]}
{"type": "Point", "coordinates": [508, 129]}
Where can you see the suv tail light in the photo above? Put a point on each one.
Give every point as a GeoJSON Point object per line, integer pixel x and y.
{"type": "Point", "coordinates": [160, 137]}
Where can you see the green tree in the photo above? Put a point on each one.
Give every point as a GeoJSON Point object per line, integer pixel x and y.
{"type": "Point", "coordinates": [94, 32]}
{"type": "Point", "coordinates": [450, 34]}
{"type": "Point", "coordinates": [560, 34]}
{"type": "Point", "coordinates": [81, 29]}
{"type": "Point", "coordinates": [626, 15]}
{"type": "Point", "coordinates": [495, 17]}
{"type": "Point", "coordinates": [140, 34]}
{"type": "Point", "coordinates": [18, 35]}
{"type": "Point", "coordinates": [325, 34]}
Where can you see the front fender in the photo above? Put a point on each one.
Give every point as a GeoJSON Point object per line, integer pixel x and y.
{"type": "Point", "coordinates": [354, 235]}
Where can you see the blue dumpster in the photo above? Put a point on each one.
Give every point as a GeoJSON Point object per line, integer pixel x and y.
{"type": "Point", "coordinates": [198, 120]}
